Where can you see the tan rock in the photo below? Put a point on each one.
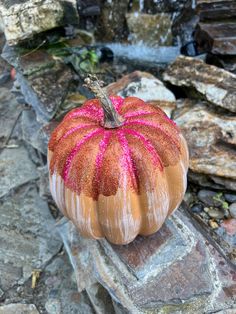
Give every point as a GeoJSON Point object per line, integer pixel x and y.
{"type": "Point", "coordinates": [145, 86]}
{"type": "Point", "coordinates": [23, 19]}
{"type": "Point", "coordinates": [211, 140]}
{"type": "Point", "coordinates": [216, 85]}
{"type": "Point", "coordinates": [151, 30]}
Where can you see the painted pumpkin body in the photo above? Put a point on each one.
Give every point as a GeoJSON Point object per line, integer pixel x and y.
{"type": "Point", "coordinates": [117, 183]}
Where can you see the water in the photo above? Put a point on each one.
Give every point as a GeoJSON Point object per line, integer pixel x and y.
{"type": "Point", "coordinates": [143, 53]}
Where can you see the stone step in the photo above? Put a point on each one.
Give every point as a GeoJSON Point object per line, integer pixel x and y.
{"type": "Point", "coordinates": [212, 10]}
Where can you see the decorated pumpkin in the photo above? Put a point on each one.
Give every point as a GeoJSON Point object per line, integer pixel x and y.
{"type": "Point", "coordinates": [117, 167]}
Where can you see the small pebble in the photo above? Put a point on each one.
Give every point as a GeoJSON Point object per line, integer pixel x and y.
{"type": "Point", "coordinates": [213, 224]}
{"type": "Point", "coordinates": [232, 210]}
{"type": "Point", "coordinates": [208, 198]}
{"type": "Point", "coordinates": [215, 213]}
{"type": "Point", "coordinates": [206, 209]}
{"type": "Point", "coordinates": [230, 226]}
{"type": "Point", "coordinates": [231, 198]}
{"type": "Point", "coordinates": [197, 208]}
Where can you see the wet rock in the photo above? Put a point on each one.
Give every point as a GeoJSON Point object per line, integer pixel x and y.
{"type": "Point", "coordinates": [231, 198]}
{"type": "Point", "coordinates": [212, 83]}
{"type": "Point", "coordinates": [232, 210]}
{"type": "Point", "coordinates": [150, 30]}
{"type": "Point", "coordinates": [197, 208]}
{"type": "Point", "coordinates": [211, 140]}
{"type": "Point", "coordinates": [27, 238]}
{"type": "Point", "coordinates": [21, 20]}
{"type": "Point", "coordinates": [163, 6]}
{"type": "Point", "coordinates": [18, 308]}
{"type": "Point", "coordinates": [217, 38]}
{"type": "Point", "coordinates": [32, 131]}
{"type": "Point", "coordinates": [111, 23]}
{"type": "Point", "coordinates": [230, 226]}
{"type": "Point", "coordinates": [208, 198]}
{"type": "Point", "coordinates": [145, 86]}
{"type": "Point", "coordinates": [16, 169]}
{"type": "Point", "coordinates": [216, 213]}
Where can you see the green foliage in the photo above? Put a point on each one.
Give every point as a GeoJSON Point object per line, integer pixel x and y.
{"type": "Point", "coordinates": [219, 198]}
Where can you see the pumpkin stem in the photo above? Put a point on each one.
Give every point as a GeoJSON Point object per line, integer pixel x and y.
{"type": "Point", "coordinates": [111, 117]}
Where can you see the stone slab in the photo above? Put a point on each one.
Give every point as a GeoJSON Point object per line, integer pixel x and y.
{"type": "Point", "coordinates": [16, 169]}
{"type": "Point", "coordinates": [23, 19]}
{"type": "Point", "coordinates": [28, 240]}
{"type": "Point", "coordinates": [18, 308]}
{"type": "Point", "coordinates": [214, 84]}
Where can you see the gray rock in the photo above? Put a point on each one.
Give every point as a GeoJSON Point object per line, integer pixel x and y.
{"type": "Point", "coordinates": [44, 191]}
{"type": "Point", "coordinates": [16, 169]}
{"type": "Point", "coordinates": [232, 210]}
{"type": "Point", "coordinates": [197, 208]}
{"type": "Point", "coordinates": [9, 111]}
{"type": "Point", "coordinates": [208, 198]}
{"type": "Point", "coordinates": [28, 240]}
{"type": "Point", "coordinates": [231, 198]}
{"type": "Point", "coordinates": [18, 308]}
{"type": "Point", "coordinates": [216, 213]}
{"type": "Point", "coordinates": [211, 139]}
{"type": "Point", "coordinates": [213, 83]}
{"type": "Point", "coordinates": [32, 131]}
{"type": "Point", "coordinates": [21, 20]}
{"type": "Point", "coordinates": [150, 30]}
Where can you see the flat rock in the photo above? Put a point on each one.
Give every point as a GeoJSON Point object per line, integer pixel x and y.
{"type": "Point", "coordinates": [151, 30]}
{"type": "Point", "coordinates": [217, 37]}
{"type": "Point", "coordinates": [18, 308]}
{"type": "Point", "coordinates": [145, 86]}
{"type": "Point", "coordinates": [213, 10]}
{"type": "Point", "coordinates": [16, 169]}
{"type": "Point", "coordinates": [212, 83]}
{"type": "Point", "coordinates": [22, 19]}
{"type": "Point", "coordinates": [167, 271]}
{"type": "Point", "coordinates": [211, 139]}
{"type": "Point", "coordinates": [27, 238]}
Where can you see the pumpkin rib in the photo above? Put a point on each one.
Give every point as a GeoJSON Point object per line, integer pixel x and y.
{"type": "Point", "coordinates": [74, 151]}
{"type": "Point", "coordinates": [127, 164]}
{"type": "Point", "coordinates": [149, 147]}
{"type": "Point", "coordinates": [155, 126]}
{"type": "Point", "coordinates": [99, 159]}
{"type": "Point", "coordinates": [73, 130]}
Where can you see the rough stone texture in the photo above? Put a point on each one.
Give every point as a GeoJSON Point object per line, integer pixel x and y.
{"type": "Point", "coordinates": [171, 271]}
{"type": "Point", "coordinates": [32, 131]}
{"type": "Point", "coordinates": [16, 169]}
{"type": "Point", "coordinates": [215, 10]}
{"type": "Point", "coordinates": [28, 239]}
{"type": "Point", "coordinates": [216, 85]}
{"type": "Point", "coordinates": [211, 139]}
{"type": "Point", "coordinates": [18, 308]}
{"type": "Point", "coordinates": [150, 30]}
{"type": "Point", "coordinates": [145, 86]}
{"type": "Point", "coordinates": [153, 6]}
{"type": "Point", "coordinates": [111, 22]}
{"type": "Point", "coordinates": [217, 38]}
{"type": "Point", "coordinates": [9, 111]}
{"type": "Point", "coordinates": [23, 19]}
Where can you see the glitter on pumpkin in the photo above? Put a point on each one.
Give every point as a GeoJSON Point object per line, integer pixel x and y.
{"type": "Point", "coordinates": [147, 142]}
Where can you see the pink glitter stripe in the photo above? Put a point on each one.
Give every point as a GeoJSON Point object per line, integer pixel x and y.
{"type": "Point", "coordinates": [148, 145]}
{"type": "Point", "coordinates": [102, 149]}
{"type": "Point", "coordinates": [127, 163]}
{"type": "Point", "coordinates": [117, 101]}
{"type": "Point", "coordinates": [75, 151]}
{"type": "Point", "coordinates": [137, 113]}
{"type": "Point", "coordinates": [72, 130]}
{"type": "Point", "coordinates": [152, 125]}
